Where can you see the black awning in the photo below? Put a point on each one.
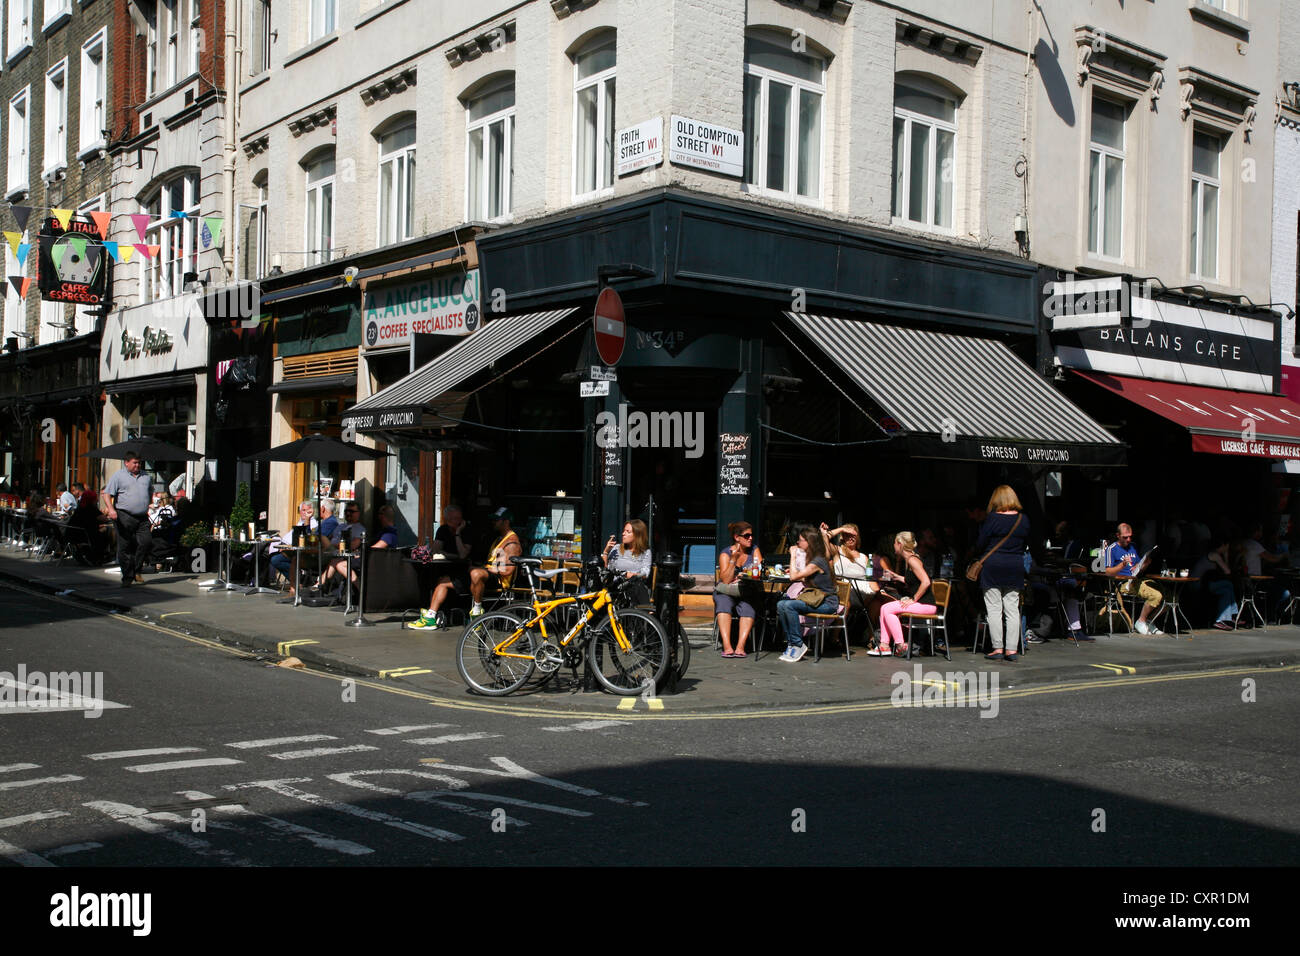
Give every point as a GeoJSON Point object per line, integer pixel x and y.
{"type": "Point", "coordinates": [960, 397]}
{"type": "Point", "coordinates": [185, 379]}
{"type": "Point", "coordinates": [318, 383]}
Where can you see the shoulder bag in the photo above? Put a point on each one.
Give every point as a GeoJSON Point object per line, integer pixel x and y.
{"type": "Point", "coordinates": [973, 572]}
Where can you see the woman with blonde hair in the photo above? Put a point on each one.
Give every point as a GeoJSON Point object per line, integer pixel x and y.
{"type": "Point", "coordinates": [1003, 538]}
{"type": "Point", "coordinates": [917, 599]}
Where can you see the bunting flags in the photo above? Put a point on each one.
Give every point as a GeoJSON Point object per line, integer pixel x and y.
{"type": "Point", "coordinates": [111, 249]}
{"type": "Point", "coordinates": [210, 230]}
{"type": "Point", "coordinates": [20, 284]}
{"type": "Point", "coordinates": [14, 238]}
{"type": "Point", "coordinates": [148, 250]}
{"type": "Point", "coordinates": [57, 252]}
{"type": "Point", "coordinates": [102, 219]}
{"type": "Point", "coordinates": [92, 254]}
{"type": "Point", "coordinates": [141, 220]}
{"type": "Point", "coordinates": [124, 252]}
{"type": "Point", "coordinates": [178, 213]}
{"type": "Point", "coordinates": [21, 252]}
{"type": "Point", "coordinates": [21, 215]}
{"type": "Point", "coordinates": [62, 215]}
{"type": "Point", "coordinates": [213, 224]}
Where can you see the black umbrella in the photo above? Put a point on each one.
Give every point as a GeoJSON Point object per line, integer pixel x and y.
{"type": "Point", "coordinates": [150, 449]}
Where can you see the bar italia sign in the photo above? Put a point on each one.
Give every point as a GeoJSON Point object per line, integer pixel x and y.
{"type": "Point", "coordinates": [439, 305]}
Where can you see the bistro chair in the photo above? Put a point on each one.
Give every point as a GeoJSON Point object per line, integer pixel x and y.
{"type": "Point", "coordinates": [1249, 593]}
{"type": "Point", "coordinates": [935, 623]}
{"type": "Point", "coordinates": [837, 620]}
{"type": "Point", "coordinates": [1113, 603]}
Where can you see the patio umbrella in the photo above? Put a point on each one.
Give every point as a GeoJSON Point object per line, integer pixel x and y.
{"type": "Point", "coordinates": [150, 449]}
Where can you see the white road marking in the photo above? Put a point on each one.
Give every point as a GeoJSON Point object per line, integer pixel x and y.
{"type": "Point", "coordinates": [73, 848]}
{"type": "Point", "coordinates": [277, 741]}
{"type": "Point", "coordinates": [435, 797]}
{"type": "Point", "coordinates": [25, 698]}
{"type": "Point", "coordinates": [15, 784]}
{"type": "Point", "coordinates": [183, 764]}
{"type": "Point", "coordinates": [450, 738]}
{"type": "Point", "coordinates": [282, 787]}
{"type": "Point", "coordinates": [140, 819]}
{"type": "Point", "coordinates": [150, 752]}
{"type": "Point", "coordinates": [315, 837]}
{"type": "Point", "coordinates": [385, 731]}
{"type": "Point", "coordinates": [456, 786]}
{"type": "Point", "coordinates": [20, 766]}
{"type": "Point", "coordinates": [320, 752]}
{"type": "Point", "coordinates": [31, 818]}
{"type": "Point", "coordinates": [17, 854]}
{"type": "Point", "coordinates": [513, 771]}
{"type": "Point", "coordinates": [586, 725]}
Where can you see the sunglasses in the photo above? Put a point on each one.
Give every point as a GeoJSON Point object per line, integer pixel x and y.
{"type": "Point", "coordinates": [748, 535]}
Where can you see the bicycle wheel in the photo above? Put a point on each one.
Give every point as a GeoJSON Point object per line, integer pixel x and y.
{"type": "Point", "coordinates": [486, 671]}
{"type": "Point", "coordinates": [624, 672]}
{"type": "Point", "coordinates": [681, 651]}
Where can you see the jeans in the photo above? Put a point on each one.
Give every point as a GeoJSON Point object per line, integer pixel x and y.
{"type": "Point", "coordinates": [1000, 604]}
{"type": "Point", "coordinates": [1225, 600]}
{"type": "Point", "coordinates": [788, 612]}
{"type": "Point", "coordinates": [281, 562]}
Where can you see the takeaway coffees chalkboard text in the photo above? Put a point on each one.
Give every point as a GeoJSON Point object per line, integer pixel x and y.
{"type": "Point", "coordinates": [733, 464]}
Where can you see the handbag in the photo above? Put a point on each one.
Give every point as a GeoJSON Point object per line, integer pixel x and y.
{"type": "Point", "coordinates": [731, 590]}
{"type": "Point", "coordinates": [813, 597]}
{"type": "Point", "coordinates": [973, 572]}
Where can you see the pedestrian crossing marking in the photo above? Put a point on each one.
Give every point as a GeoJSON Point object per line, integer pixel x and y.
{"type": "Point", "coordinates": [1116, 668]}
{"type": "Point", "coordinates": [320, 840]}
{"type": "Point", "coordinates": [404, 671]}
{"type": "Point", "coordinates": [15, 784]}
{"type": "Point", "coordinates": [277, 741]}
{"type": "Point", "coordinates": [283, 647]}
{"type": "Point", "coordinates": [450, 738]}
{"type": "Point", "coordinates": [31, 818]}
{"type": "Point", "coordinates": [183, 764]}
{"type": "Point", "coordinates": [386, 731]}
{"type": "Point", "coordinates": [11, 768]}
{"type": "Point", "coordinates": [319, 752]}
{"type": "Point", "coordinates": [586, 725]}
{"type": "Point", "coordinates": [17, 854]}
{"type": "Point", "coordinates": [149, 752]}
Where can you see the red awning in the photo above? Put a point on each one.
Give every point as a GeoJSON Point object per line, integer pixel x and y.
{"type": "Point", "coordinates": [1222, 421]}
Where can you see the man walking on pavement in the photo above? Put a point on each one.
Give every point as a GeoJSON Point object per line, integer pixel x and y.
{"type": "Point", "coordinates": [126, 500]}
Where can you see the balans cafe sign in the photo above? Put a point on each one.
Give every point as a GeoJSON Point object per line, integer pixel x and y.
{"type": "Point", "coordinates": [439, 305]}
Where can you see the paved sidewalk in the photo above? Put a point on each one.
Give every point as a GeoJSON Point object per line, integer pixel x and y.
{"type": "Point", "coordinates": [319, 637]}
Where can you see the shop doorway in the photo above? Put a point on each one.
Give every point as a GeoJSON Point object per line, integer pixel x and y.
{"type": "Point", "coordinates": [671, 483]}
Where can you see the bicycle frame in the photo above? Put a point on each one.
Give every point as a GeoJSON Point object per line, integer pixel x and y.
{"type": "Point", "coordinates": [594, 602]}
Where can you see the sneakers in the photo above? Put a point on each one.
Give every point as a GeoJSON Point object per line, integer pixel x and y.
{"type": "Point", "coordinates": [1035, 639]}
{"type": "Point", "coordinates": [1224, 626]}
{"type": "Point", "coordinates": [427, 620]}
{"type": "Point", "coordinates": [1142, 627]}
{"type": "Point", "coordinates": [880, 652]}
{"type": "Point", "coordinates": [794, 653]}
{"type": "Point", "coordinates": [476, 611]}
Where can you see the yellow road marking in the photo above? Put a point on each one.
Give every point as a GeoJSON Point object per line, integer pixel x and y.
{"type": "Point", "coordinates": [163, 617]}
{"type": "Point", "coordinates": [945, 684]}
{"type": "Point", "coordinates": [283, 647]}
{"type": "Point", "coordinates": [812, 710]}
{"type": "Point", "coordinates": [627, 703]}
{"type": "Point", "coordinates": [1116, 668]}
{"type": "Point", "coordinates": [656, 703]}
{"type": "Point", "coordinates": [404, 671]}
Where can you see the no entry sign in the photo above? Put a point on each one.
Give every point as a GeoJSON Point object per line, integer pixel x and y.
{"type": "Point", "coordinates": [610, 326]}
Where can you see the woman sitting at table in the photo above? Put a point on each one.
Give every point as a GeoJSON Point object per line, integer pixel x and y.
{"type": "Point", "coordinates": [631, 558]}
{"type": "Point", "coordinates": [281, 561]}
{"type": "Point", "coordinates": [815, 574]}
{"type": "Point", "coordinates": [918, 598]}
{"type": "Point", "coordinates": [729, 596]}
{"type": "Point", "coordinates": [1216, 583]}
{"type": "Point", "coordinates": [852, 565]}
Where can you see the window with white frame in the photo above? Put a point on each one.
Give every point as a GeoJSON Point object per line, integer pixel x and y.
{"type": "Point", "coordinates": [320, 210]}
{"type": "Point", "coordinates": [54, 322]}
{"type": "Point", "coordinates": [397, 184]}
{"type": "Point", "coordinates": [196, 35]}
{"type": "Point", "coordinates": [18, 141]}
{"type": "Point", "coordinates": [56, 8]}
{"type": "Point", "coordinates": [176, 237]}
{"type": "Point", "coordinates": [20, 25]}
{"type": "Point", "coordinates": [490, 125]}
{"type": "Point", "coordinates": [56, 118]}
{"type": "Point", "coordinates": [1106, 179]}
{"type": "Point", "coordinates": [321, 19]}
{"type": "Point", "coordinates": [93, 92]}
{"type": "Point", "coordinates": [593, 116]}
{"type": "Point", "coordinates": [171, 31]}
{"type": "Point", "coordinates": [925, 136]}
{"type": "Point", "coordinates": [257, 259]}
{"type": "Point", "coordinates": [151, 52]}
{"type": "Point", "coordinates": [1204, 258]}
{"type": "Point", "coordinates": [82, 318]}
{"type": "Point", "coordinates": [783, 119]}
{"type": "Point", "coordinates": [260, 37]}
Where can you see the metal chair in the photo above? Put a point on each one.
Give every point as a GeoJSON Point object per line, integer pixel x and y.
{"type": "Point", "coordinates": [1249, 592]}
{"type": "Point", "coordinates": [836, 620]}
{"type": "Point", "coordinates": [935, 622]}
{"type": "Point", "coordinates": [1113, 603]}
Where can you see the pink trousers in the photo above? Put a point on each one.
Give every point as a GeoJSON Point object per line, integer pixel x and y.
{"type": "Point", "coordinates": [891, 629]}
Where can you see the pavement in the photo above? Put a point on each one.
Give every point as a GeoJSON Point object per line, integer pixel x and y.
{"type": "Point", "coordinates": [423, 659]}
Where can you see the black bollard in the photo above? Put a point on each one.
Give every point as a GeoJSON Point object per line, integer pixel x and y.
{"type": "Point", "coordinates": [667, 601]}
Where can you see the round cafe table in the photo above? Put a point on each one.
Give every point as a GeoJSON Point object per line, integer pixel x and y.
{"type": "Point", "coordinates": [1171, 586]}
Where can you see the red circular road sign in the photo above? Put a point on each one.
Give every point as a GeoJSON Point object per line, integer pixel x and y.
{"type": "Point", "coordinates": [610, 326]}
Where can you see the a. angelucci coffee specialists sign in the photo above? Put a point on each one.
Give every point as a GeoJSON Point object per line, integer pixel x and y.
{"type": "Point", "coordinates": [154, 339]}
{"type": "Point", "coordinates": [446, 304]}
{"type": "Point", "coordinates": [1172, 342]}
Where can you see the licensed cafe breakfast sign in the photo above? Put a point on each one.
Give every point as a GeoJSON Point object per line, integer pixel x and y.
{"type": "Point", "coordinates": [441, 305]}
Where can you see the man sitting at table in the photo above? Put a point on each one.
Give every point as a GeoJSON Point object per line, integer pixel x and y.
{"type": "Point", "coordinates": [328, 523]}
{"type": "Point", "coordinates": [452, 540]}
{"type": "Point", "coordinates": [67, 500]}
{"type": "Point", "coordinates": [280, 561]}
{"type": "Point", "coordinates": [499, 571]}
{"type": "Point", "coordinates": [1121, 561]}
{"type": "Point", "coordinates": [348, 532]}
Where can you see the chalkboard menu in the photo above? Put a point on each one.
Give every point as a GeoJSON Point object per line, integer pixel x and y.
{"type": "Point", "coordinates": [612, 465]}
{"type": "Point", "coordinates": [733, 464]}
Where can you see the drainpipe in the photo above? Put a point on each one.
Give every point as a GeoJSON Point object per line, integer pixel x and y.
{"type": "Point", "coordinates": [233, 13]}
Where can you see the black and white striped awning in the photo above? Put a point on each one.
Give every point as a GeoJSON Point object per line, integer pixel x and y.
{"type": "Point", "coordinates": [402, 404]}
{"type": "Point", "coordinates": [959, 397]}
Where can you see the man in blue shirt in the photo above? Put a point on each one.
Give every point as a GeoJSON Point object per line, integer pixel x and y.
{"type": "Point", "coordinates": [1121, 561]}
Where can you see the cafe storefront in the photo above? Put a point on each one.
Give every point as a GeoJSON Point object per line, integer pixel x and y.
{"type": "Point", "coordinates": [153, 366]}
{"type": "Point", "coordinates": [749, 384]}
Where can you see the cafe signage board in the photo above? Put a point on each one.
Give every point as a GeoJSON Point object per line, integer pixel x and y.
{"type": "Point", "coordinates": [447, 304]}
{"type": "Point", "coordinates": [154, 339]}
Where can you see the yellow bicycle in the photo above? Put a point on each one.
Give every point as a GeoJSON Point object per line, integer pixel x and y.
{"type": "Point", "coordinates": [625, 647]}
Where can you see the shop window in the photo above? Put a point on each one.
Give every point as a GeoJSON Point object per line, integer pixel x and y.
{"type": "Point", "coordinates": [925, 135]}
{"type": "Point", "coordinates": [490, 124]}
{"type": "Point", "coordinates": [320, 210]}
{"type": "Point", "coordinates": [397, 184]}
{"type": "Point", "coordinates": [593, 116]}
{"type": "Point", "coordinates": [1204, 213]}
{"type": "Point", "coordinates": [783, 119]}
{"type": "Point", "coordinates": [176, 236]}
{"type": "Point", "coordinates": [1106, 179]}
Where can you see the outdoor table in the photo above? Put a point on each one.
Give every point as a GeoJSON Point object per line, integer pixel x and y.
{"type": "Point", "coordinates": [298, 551]}
{"type": "Point", "coordinates": [222, 580]}
{"type": "Point", "coordinates": [1171, 587]}
{"type": "Point", "coordinates": [258, 545]}
{"type": "Point", "coordinates": [347, 576]}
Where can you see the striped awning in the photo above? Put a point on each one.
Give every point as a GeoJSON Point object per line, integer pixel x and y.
{"type": "Point", "coordinates": [958, 397]}
{"type": "Point", "coordinates": [402, 404]}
